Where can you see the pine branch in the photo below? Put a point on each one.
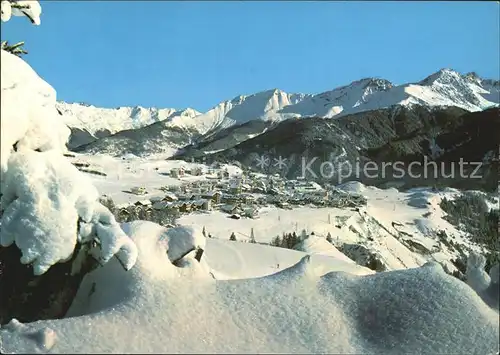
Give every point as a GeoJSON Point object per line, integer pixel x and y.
{"type": "Point", "coordinates": [15, 5]}
{"type": "Point", "coordinates": [19, 44]}
{"type": "Point", "coordinates": [15, 48]}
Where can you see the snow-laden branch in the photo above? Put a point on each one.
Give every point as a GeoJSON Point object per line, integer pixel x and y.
{"type": "Point", "coordinates": [29, 8]}
{"type": "Point", "coordinates": [49, 206]}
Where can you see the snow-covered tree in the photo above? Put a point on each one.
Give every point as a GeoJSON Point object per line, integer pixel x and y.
{"type": "Point", "coordinates": [477, 278]}
{"type": "Point", "coordinates": [48, 204]}
{"type": "Point", "coordinates": [276, 241]}
{"type": "Point", "coordinates": [303, 234]}
{"type": "Point", "coordinates": [29, 8]}
{"type": "Point", "coordinates": [486, 285]}
{"type": "Point", "coordinates": [50, 211]}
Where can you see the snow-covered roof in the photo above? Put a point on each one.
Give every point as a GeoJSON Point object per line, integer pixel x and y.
{"type": "Point", "coordinates": [162, 204]}
{"type": "Point", "coordinates": [212, 193]}
{"type": "Point", "coordinates": [200, 202]}
{"type": "Point", "coordinates": [144, 202]}
{"type": "Point", "coordinates": [169, 195]}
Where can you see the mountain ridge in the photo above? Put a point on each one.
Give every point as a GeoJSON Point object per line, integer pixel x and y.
{"type": "Point", "coordinates": [444, 88]}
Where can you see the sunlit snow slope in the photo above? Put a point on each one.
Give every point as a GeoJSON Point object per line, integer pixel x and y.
{"type": "Point", "coordinates": [97, 120]}
{"type": "Point", "coordinates": [157, 307]}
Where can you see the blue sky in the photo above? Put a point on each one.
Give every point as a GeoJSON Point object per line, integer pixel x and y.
{"type": "Point", "coordinates": [196, 54]}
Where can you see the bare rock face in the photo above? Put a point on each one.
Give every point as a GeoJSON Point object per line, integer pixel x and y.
{"type": "Point", "coordinates": [363, 256]}
{"type": "Point", "coordinates": [28, 298]}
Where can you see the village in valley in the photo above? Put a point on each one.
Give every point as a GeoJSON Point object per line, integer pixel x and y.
{"type": "Point", "coordinates": [240, 194]}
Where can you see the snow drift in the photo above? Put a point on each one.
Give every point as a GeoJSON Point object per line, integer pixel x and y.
{"type": "Point", "coordinates": [158, 307]}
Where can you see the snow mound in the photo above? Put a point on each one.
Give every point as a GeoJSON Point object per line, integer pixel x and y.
{"type": "Point", "coordinates": [229, 260]}
{"type": "Point", "coordinates": [293, 311]}
{"type": "Point", "coordinates": [42, 339]}
{"type": "Point", "coordinates": [178, 241]}
{"type": "Point", "coordinates": [319, 245]}
{"type": "Point", "coordinates": [110, 287]}
{"type": "Point", "coordinates": [352, 187]}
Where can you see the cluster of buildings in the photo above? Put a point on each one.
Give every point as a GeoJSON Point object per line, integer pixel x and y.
{"type": "Point", "coordinates": [243, 194]}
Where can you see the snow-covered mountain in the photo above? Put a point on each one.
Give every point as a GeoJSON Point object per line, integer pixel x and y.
{"type": "Point", "coordinates": [443, 88]}
{"type": "Point", "coordinates": [265, 106]}
{"type": "Point", "coordinates": [101, 122]}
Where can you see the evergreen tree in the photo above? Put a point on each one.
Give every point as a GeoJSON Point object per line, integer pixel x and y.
{"type": "Point", "coordinates": [232, 237]}
{"type": "Point", "coordinates": [276, 241]}
{"type": "Point", "coordinates": [288, 240]}
{"type": "Point", "coordinates": [285, 240]}
{"type": "Point", "coordinates": [294, 240]}
{"type": "Point", "coordinates": [329, 238]}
